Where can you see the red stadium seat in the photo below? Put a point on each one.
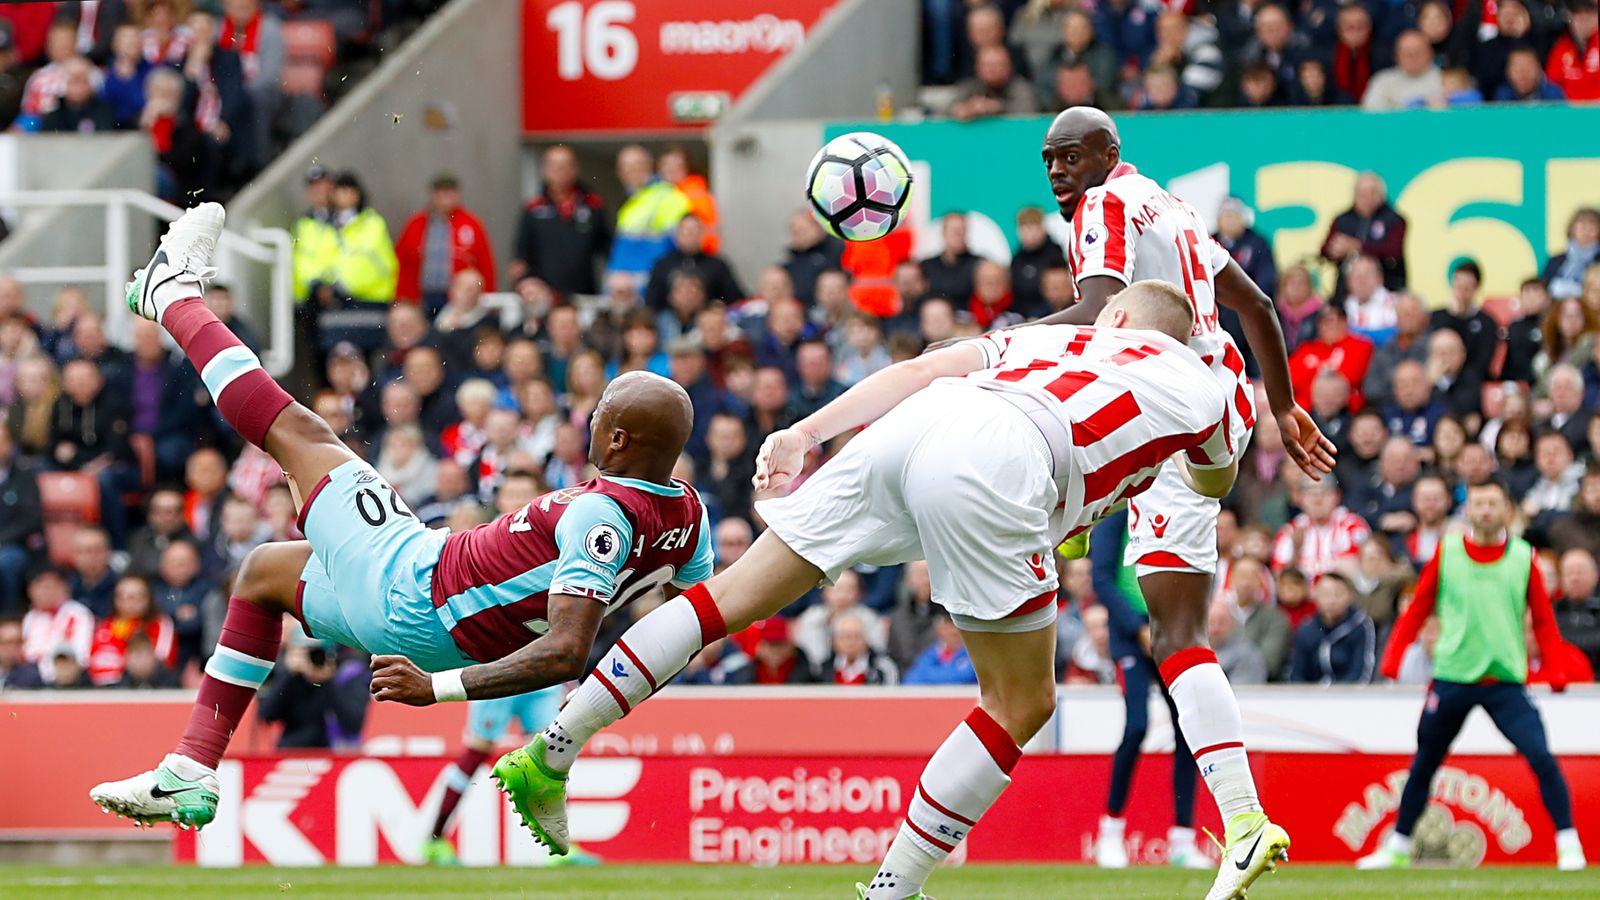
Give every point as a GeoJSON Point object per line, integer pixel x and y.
{"type": "Point", "coordinates": [309, 47]}
{"type": "Point", "coordinates": [69, 500]}
{"type": "Point", "coordinates": [301, 79]}
{"type": "Point", "coordinates": [309, 40]}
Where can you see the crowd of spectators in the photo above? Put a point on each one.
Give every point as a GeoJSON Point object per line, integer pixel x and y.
{"type": "Point", "coordinates": [204, 79]}
{"type": "Point", "coordinates": [1027, 56]}
{"type": "Point", "coordinates": [471, 408]}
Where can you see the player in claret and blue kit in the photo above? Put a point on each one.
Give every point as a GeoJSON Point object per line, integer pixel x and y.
{"type": "Point", "coordinates": [508, 607]}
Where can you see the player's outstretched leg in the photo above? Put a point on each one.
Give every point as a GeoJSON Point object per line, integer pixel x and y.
{"type": "Point", "coordinates": [1016, 685]}
{"type": "Point", "coordinates": [168, 291]}
{"type": "Point", "coordinates": [438, 851]}
{"type": "Point", "coordinates": [1209, 717]}
{"type": "Point", "coordinates": [647, 656]}
{"type": "Point", "coordinates": [183, 788]}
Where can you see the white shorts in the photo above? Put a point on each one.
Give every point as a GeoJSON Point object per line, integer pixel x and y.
{"type": "Point", "coordinates": [1173, 529]}
{"type": "Point", "coordinates": [953, 475]}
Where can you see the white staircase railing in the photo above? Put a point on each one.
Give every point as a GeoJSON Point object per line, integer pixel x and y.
{"type": "Point", "coordinates": [272, 247]}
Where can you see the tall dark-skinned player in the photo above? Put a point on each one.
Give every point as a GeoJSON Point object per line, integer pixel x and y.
{"type": "Point", "coordinates": [1125, 228]}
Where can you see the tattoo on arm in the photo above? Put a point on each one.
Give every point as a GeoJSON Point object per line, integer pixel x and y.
{"type": "Point", "coordinates": [554, 657]}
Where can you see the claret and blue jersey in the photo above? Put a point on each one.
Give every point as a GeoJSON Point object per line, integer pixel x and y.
{"type": "Point", "coordinates": [609, 539]}
{"type": "Point", "coordinates": [381, 581]}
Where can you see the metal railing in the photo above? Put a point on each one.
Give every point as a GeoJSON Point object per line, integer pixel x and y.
{"type": "Point", "coordinates": [272, 247]}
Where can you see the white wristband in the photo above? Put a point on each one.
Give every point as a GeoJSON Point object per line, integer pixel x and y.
{"type": "Point", "coordinates": [447, 686]}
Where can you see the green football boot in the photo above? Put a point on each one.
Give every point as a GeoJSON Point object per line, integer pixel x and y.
{"type": "Point", "coordinates": [161, 795]}
{"type": "Point", "coordinates": [537, 792]}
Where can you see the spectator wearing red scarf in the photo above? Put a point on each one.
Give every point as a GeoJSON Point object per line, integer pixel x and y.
{"type": "Point", "coordinates": [990, 303]}
{"type": "Point", "coordinates": [134, 612]}
{"type": "Point", "coordinates": [258, 40]}
{"type": "Point", "coordinates": [441, 240]}
{"type": "Point", "coordinates": [1352, 54]}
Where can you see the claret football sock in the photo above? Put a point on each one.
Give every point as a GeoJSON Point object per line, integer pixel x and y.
{"type": "Point", "coordinates": [962, 780]}
{"type": "Point", "coordinates": [245, 394]}
{"type": "Point", "coordinates": [1208, 715]}
{"type": "Point", "coordinates": [457, 778]}
{"type": "Point", "coordinates": [647, 656]}
{"type": "Point", "coordinates": [245, 654]}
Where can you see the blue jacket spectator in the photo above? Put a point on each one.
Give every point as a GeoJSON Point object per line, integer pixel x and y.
{"type": "Point", "coordinates": [1525, 81]}
{"type": "Point", "coordinates": [1338, 645]}
{"type": "Point", "coordinates": [946, 661]}
{"type": "Point", "coordinates": [1414, 410]}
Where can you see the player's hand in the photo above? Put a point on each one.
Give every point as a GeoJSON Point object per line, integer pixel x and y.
{"type": "Point", "coordinates": [1144, 639]}
{"type": "Point", "coordinates": [782, 456]}
{"type": "Point", "coordinates": [398, 679]}
{"type": "Point", "coordinates": [1307, 445]}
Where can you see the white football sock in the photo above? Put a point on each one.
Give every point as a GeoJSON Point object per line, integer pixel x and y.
{"type": "Point", "coordinates": [647, 655]}
{"type": "Point", "coordinates": [962, 780]}
{"type": "Point", "coordinates": [1398, 843]}
{"type": "Point", "coordinates": [1567, 839]}
{"type": "Point", "coordinates": [1112, 828]}
{"type": "Point", "coordinates": [186, 768]}
{"type": "Point", "coordinates": [1179, 839]}
{"type": "Point", "coordinates": [1208, 714]}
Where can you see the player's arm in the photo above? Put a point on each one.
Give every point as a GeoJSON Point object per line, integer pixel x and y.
{"type": "Point", "coordinates": [1409, 625]}
{"type": "Point", "coordinates": [1210, 467]}
{"type": "Point", "coordinates": [783, 454]}
{"type": "Point", "coordinates": [1214, 483]}
{"type": "Point", "coordinates": [1304, 441]}
{"type": "Point", "coordinates": [1093, 292]}
{"type": "Point", "coordinates": [1545, 631]}
{"type": "Point", "coordinates": [593, 540]}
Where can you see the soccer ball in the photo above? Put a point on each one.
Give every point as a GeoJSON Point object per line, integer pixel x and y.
{"type": "Point", "coordinates": [857, 186]}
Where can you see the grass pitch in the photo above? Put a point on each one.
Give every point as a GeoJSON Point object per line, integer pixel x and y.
{"type": "Point", "coordinates": [685, 882]}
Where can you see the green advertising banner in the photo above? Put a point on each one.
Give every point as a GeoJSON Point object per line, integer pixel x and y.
{"type": "Point", "coordinates": [1496, 183]}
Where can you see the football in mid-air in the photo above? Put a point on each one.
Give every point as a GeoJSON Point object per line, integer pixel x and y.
{"type": "Point", "coordinates": [857, 186]}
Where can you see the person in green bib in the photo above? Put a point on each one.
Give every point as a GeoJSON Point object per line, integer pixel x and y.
{"type": "Point", "coordinates": [1481, 585]}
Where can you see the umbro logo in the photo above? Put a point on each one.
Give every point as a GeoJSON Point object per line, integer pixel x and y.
{"type": "Point", "coordinates": [366, 478]}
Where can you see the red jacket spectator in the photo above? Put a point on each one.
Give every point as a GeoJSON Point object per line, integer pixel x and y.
{"type": "Point", "coordinates": [469, 248]}
{"type": "Point", "coordinates": [110, 648]}
{"type": "Point", "coordinates": [1574, 68]}
{"type": "Point", "coordinates": [1335, 348]}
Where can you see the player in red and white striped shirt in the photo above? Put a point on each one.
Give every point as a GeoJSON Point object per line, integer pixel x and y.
{"type": "Point", "coordinates": [980, 458]}
{"type": "Point", "coordinates": [1125, 227]}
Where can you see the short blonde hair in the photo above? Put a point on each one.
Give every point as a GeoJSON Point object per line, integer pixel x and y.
{"type": "Point", "coordinates": [479, 390]}
{"type": "Point", "coordinates": [1155, 305]}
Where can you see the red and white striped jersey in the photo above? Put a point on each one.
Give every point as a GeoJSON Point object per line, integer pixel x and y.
{"type": "Point", "coordinates": [1130, 229]}
{"type": "Point", "coordinates": [1315, 549]}
{"type": "Point", "coordinates": [1129, 400]}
